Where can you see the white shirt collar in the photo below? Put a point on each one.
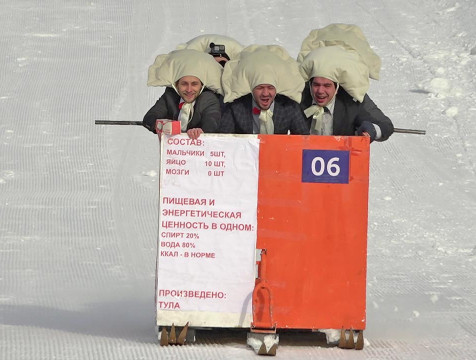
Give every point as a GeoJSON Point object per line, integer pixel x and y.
{"type": "Point", "coordinates": [182, 101]}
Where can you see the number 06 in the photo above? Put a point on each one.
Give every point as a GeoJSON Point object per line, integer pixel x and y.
{"type": "Point", "coordinates": [332, 168]}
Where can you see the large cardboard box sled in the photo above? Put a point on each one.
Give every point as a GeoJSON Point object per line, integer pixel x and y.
{"type": "Point", "coordinates": [263, 232]}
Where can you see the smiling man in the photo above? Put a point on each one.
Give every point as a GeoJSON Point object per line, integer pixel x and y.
{"type": "Point", "coordinates": [189, 88]}
{"type": "Point", "coordinates": [323, 90]}
{"type": "Point", "coordinates": [335, 99]}
{"type": "Point", "coordinates": [193, 85]}
{"type": "Point", "coordinates": [337, 113]}
{"type": "Point", "coordinates": [262, 91]}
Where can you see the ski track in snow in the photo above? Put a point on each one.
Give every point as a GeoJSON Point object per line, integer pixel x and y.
{"type": "Point", "coordinates": [78, 202]}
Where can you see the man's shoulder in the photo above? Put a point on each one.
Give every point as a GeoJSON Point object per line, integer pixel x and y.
{"type": "Point", "coordinates": [306, 98]}
{"type": "Point", "coordinates": [208, 92]}
{"type": "Point", "coordinates": [170, 91]}
{"type": "Point", "coordinates": [208, 96]}
{"type": "Point", "coordinates": [244, 101]}
{"type": "Point", "coordinates": [346, 97]}
{"type": "Point", "coordinates": [285, 101]}
{"type": "Point", "coordinates": [170, 95]}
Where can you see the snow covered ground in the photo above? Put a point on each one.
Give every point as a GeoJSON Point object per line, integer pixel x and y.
{"type": "Point", "coordinates": [78, 202]}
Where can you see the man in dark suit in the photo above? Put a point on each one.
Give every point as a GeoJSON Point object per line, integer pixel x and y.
{"type": "Point", "coordinates": [263, 112]}
{"type": "Point", "coordinates": [193, 86]}
{"type": "Point", "coordinates": [262, 90]}
{"type": "Point", "coordinates": [199, 111]}
{"type": "Point", "coordinates": [342, 115]}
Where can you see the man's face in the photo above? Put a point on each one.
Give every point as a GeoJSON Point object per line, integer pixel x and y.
{"type": "Point", "coordinates": [189, 88]}
{"type": "Point", "coordinates": [264, 95]}
{"type": "Point", "coordinates": [323, 90]}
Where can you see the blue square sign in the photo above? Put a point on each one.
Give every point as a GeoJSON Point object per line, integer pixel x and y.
{"type": "Point", "coordinates": [325, 166]}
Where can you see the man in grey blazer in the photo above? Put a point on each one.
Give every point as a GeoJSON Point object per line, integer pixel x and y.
{"type": "Point", "coordinates": [262, 93]}
{"type": "Point", "coordinates": [206, 108]}
{"type": "Point", "coordinates": [342, 114]}
{"type": "Point", "coordinates": [242, 116]}
{"type": "Point", "coordinates": [193, 87]}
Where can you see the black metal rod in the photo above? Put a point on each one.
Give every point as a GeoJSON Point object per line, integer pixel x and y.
{"type": "Point", "coordinates": [117, 122]}
{"type": "Point", "coordinates": [409, 131]}
{"type": "Point", "coordinates": [127, 122]}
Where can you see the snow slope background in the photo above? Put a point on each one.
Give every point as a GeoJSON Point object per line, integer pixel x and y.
{"type": "Point", "coordinates": [78, 202]}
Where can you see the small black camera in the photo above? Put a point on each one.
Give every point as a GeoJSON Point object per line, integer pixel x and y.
{"type": "Point", "coordinates": [217, 50]}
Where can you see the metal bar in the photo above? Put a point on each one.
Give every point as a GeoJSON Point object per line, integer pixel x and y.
{"type": "Point", "coordinates": [117, 122]}
{"type": "Point", "coordinates": [409, 131]}
{"type": "Point", "coordinates": [127, 122]}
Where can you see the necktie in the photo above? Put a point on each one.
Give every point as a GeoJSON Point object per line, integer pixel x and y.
{"type": "Point", "coordinates": [184, 116]}
{"type": "Point", "coordinates": [317, 124]}
{"type": "Point", "coordinates": [266, 125]}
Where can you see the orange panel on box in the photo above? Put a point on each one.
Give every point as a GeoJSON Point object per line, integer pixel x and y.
{"type": "Point", "coordinates": [312, 221]}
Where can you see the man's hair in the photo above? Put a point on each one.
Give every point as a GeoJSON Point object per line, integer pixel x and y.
{"type": "Point", "coordinates": [312, 79]}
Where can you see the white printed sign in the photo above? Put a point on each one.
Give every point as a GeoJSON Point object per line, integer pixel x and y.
{"type": "Point", "coordinates": [207, 230]}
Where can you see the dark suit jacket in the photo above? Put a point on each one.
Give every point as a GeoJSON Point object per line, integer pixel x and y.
{"type": "Point", "coordinates": [349, 114]}
{"type": "Point", "coordinates": [206, 111]}
{"type": "Point", "coordinates": [287, 115]}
